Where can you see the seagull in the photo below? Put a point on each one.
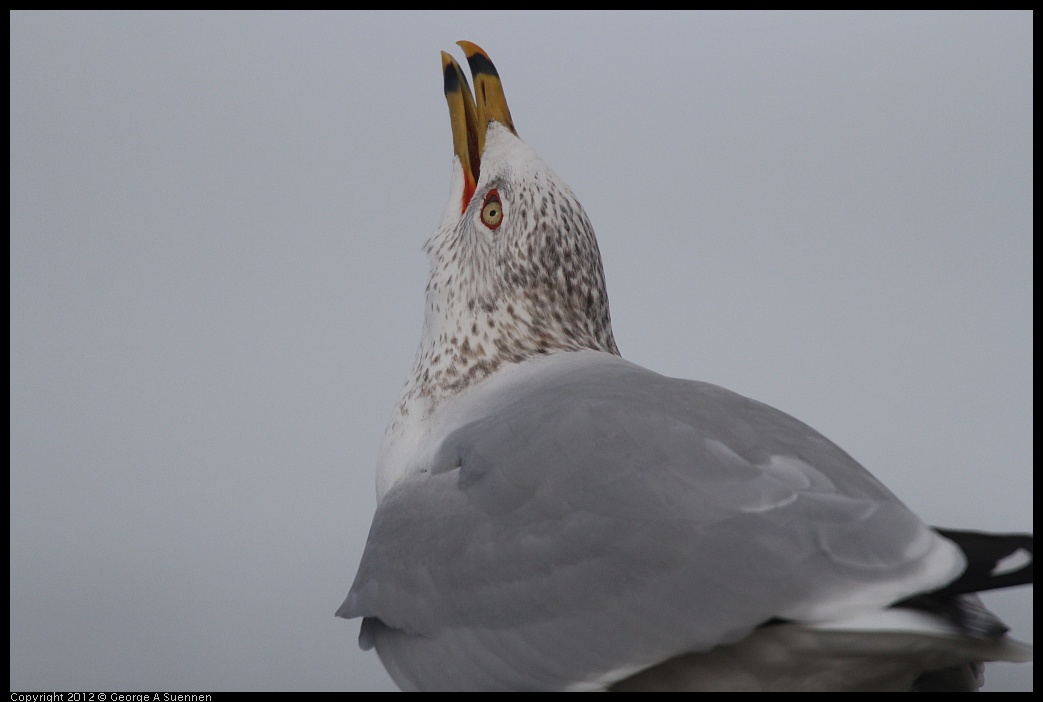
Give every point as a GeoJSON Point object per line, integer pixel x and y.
{"type": "Point", "coordinates": [553, 517]}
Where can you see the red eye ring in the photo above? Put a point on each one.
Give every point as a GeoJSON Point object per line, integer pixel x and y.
{"type": "Point", "coordinates": [492, 210]}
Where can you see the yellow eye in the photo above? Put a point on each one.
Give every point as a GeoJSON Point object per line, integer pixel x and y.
{"type": "Point", "coordinates": [492, 210]}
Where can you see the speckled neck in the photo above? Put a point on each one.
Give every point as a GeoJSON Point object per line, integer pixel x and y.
{"type": "Point", "coordinates": [533, 286]}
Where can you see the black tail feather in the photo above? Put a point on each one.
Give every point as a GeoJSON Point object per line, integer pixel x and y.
{"type": "Point", "coordinates": [986, 570]}
{"type": "Point", "coordinates": [984, 553]}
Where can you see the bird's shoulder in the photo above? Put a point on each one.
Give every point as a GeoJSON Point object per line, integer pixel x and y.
{"type": "Point", "coordinates": [586, 466]}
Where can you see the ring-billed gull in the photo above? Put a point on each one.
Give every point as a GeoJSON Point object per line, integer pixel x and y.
{"type": "Point", "coordinates": [554, 517]}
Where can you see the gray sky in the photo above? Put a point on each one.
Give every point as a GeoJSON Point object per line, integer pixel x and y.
{"type": "Point", "coordinates": [217, 287]}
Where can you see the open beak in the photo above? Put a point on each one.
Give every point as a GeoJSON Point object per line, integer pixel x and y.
{"type": "Point", "coordinates": [469, 117]}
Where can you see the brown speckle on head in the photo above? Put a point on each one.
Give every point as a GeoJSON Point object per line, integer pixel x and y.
{"type": "Point", "coordinates": [533, 285]}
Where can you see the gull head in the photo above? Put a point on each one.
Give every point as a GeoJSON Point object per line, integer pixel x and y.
{"type": "Point", "coordinates": [515, 267]}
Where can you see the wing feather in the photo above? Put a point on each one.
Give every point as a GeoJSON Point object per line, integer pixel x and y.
{"type": "Point", "coordinates": [596, 509]}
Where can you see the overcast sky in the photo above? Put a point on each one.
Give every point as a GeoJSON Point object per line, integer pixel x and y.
{"type": "Point", "coordinates": [217, 287]}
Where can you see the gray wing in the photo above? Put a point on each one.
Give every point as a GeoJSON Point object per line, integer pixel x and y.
{"type": "Point", "coordinates": [605, 518]}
